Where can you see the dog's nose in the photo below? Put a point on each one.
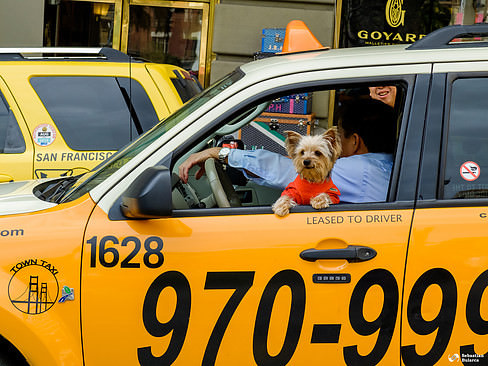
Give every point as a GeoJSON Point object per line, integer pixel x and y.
{"type": "Point", "coordinates": [306, 162]}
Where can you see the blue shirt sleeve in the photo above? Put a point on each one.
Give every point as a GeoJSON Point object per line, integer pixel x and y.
{"type": "Point", "coordinates": [272, 169]}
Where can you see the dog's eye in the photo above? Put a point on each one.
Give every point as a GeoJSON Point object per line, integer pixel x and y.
{"type": "Point", "coordinates": [318, 153]}
{"type": "Point", "coordinates": [302, 152]}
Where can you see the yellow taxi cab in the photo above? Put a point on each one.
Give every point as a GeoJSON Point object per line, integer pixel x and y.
{"type": "Point", "coordinates": [65, 110]}
{"type": "Point", "coordinates": [127, 264]}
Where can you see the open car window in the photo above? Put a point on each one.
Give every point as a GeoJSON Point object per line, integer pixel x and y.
{"type": "Point", "coordinates": [260, 129]}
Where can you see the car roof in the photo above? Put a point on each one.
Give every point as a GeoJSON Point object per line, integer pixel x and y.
{"type": "Point", "coordinates": [291, 63]}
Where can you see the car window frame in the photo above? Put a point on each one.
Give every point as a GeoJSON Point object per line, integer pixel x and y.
{"type": "Point", "coordinates": [392, 203]}
{"type": "Point", "coordinates": [442, 143]}
{"type": "Point", "coordinates": [434, 143]}
{"type": "Point", "coordinates": [209, 117]}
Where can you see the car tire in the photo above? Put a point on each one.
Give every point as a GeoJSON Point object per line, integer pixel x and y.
{"type": "Point", "coordinates": [9, 355]}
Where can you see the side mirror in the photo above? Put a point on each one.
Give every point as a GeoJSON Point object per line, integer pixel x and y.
{"type": "Point", "coordinates": [149, 195]}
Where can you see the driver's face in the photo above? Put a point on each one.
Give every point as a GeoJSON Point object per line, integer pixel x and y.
{"type": "Point", "coordinates": [386, 94]}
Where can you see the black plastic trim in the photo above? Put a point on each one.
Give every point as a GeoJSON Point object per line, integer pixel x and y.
{"type": "Point", "coordinates": [115, 212]}
{"type": "Point", "coordinates": [12, 57]}
{"type": "Point", "coordinates": [114, 55]}
{"type": "Point", "coordinates": [479, 202]}
{"type": "Point", "coordinates": [266, 210]}
{"type": "Point", "coordinates": [149, 195]}
{"type": "Point", "coordinates": [401, 142]}
{"type": "Point", "coordinates": [353, 253]}
{"type": "Point", "coordinates": [130, 107]}
{"type": "Point", "coordinates": [408, 161]}
{"type": "Point", "coordinates": [440, 38]}
{"type": "Point", "coordinates": [445, 133]}
{"type": "Point", "coordinates": [429, 165]}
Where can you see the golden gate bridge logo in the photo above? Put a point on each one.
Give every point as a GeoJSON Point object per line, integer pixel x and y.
{"type": "Point", "coordinates": [33, 288]}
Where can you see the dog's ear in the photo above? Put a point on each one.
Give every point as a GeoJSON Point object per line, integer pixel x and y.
{"type": "Point", "coordinates": [291, 142]}
{"type": "Point", "coordinates": [333, 137]}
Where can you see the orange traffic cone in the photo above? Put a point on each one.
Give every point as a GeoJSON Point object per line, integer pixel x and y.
{"type": "Point", "coordinates": [299, 38]}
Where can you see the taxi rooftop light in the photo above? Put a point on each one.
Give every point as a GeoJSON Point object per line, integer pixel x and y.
{"type": "Point", "coordinates": [299, 38]}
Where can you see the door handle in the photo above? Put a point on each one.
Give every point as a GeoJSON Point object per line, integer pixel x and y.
{"type": "Point", "coordinates": [353, 253]}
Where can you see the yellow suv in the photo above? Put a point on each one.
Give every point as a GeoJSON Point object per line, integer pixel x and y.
{"type": "Point", "coordinates": [65, 110]}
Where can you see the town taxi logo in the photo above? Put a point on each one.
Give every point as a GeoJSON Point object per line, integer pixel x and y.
{"type": "Point", "coordinates": [33, 287]}
{"type": "Point", "coordinates": [395, 15]}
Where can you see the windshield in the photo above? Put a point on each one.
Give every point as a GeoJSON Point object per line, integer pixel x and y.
{"type": "Point", "coordinates": [91, 179]}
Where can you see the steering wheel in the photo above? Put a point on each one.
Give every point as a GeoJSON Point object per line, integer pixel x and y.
{"type": "Point", "coordinates": [220, 184]}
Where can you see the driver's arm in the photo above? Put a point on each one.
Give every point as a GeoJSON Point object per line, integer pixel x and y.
{"type": "Point", "coordinates": [197, 159]}
{"type": "Point", "coordinates": [264, 167]}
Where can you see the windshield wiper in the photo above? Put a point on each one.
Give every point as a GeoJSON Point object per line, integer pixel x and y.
{"type": "Point", "coordinates": [54, 192]}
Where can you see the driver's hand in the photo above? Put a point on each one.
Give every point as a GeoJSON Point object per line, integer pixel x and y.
{"type": "Point", "coordinates": [197, 159]}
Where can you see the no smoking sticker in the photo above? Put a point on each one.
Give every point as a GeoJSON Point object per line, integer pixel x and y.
{"type": "Point", "coordinates": [470, 171]}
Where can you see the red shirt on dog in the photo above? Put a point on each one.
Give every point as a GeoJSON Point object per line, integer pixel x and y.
{"type": "Point", "coordinates": [301, 191]}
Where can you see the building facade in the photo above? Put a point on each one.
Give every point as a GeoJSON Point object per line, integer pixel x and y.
{"type": "Point", "coordinates": [207, 37]}
{"type": "Point", "coordinates": [212, 37]}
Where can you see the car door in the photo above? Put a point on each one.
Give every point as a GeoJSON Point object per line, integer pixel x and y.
{"type": "Point", "coordinates": [243, 286]}
{"type": "Point", "coordinates": [445, 312]}
{"type": "Point", "coordinates": [16, 150]}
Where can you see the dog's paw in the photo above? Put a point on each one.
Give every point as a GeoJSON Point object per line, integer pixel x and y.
{"type": "Point", "coordinates": [281, 210]}
{"type": "Point", "coordinates": [282, 206]}
{"type": "Point", "coordinates": [320, 201]}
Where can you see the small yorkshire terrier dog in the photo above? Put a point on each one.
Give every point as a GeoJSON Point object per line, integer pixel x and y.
{"type": "Point", "coordinates": [313, 158]}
